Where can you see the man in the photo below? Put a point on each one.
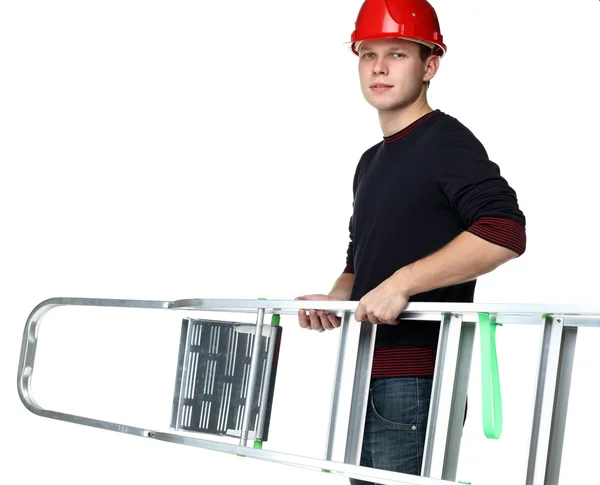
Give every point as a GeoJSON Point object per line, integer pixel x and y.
{"type": "Point", "coordinates": [431, 214]}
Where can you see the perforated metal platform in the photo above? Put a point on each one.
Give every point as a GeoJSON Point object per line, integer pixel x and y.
{"type": "Point", "coordinates": [213, 378]}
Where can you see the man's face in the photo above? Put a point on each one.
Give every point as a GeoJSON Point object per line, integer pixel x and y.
{"type": "Point", "coordinates": [393, 62]}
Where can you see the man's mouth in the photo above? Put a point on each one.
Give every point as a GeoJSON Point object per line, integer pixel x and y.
{"type": "Point", "coordinates": [380, 87]}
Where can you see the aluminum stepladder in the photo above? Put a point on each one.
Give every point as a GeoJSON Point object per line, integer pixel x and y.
{"type": "Point", "coordinates": [458, 322]}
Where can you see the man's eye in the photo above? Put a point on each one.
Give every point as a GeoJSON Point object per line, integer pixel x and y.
{"type": "Point", "coordinates": [398, 54]}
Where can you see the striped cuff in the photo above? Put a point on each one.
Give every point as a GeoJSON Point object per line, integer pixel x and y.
{"type": "Point", "coordinates": [501, 231]}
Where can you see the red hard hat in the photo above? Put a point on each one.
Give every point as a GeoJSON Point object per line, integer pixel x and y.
{"type": "Point", "coordinates": [414, 20]}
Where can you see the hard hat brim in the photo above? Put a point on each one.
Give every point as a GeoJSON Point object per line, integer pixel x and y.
{"type": "Point", "coordinates": [439, 49]}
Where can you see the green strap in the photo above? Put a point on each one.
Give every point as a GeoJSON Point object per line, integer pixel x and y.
{"type": "Point", "coordinates": [491, 398]}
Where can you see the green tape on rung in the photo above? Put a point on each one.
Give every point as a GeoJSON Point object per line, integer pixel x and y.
{"type": "Point", "coordinates": [491, 397]}
{"type": "Point", "coordinates": [275, 319]}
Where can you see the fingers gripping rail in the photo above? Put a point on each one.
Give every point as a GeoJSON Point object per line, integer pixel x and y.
{"type": "Point", "coordinates": [558, 324]}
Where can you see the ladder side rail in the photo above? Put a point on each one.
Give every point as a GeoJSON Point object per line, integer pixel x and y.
{"type": "Point", "coordinates": [290, 307]}
{"type": "Point", "coordinates": [335, 467]}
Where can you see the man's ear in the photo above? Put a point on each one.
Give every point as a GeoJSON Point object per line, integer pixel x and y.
{"type": "Point", "coordinates": [431, 68]}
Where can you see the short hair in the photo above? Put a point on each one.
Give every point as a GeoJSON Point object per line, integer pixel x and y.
{"type": "Point", "coordinates": [425, 51]}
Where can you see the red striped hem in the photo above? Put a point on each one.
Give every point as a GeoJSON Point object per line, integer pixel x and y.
{"type": "Point", "coordinates": [502, 231]}
{"type": "Point", "coordinates": [401, 361]}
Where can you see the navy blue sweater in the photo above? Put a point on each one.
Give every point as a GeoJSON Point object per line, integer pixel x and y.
{"type": "Point", "coordinates": [414, 192]}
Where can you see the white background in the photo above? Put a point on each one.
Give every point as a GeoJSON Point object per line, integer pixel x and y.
{"type": "Point", "coordinates": [167, 150]}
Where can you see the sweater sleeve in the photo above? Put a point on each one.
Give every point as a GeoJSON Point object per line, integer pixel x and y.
{"type": "Point", "coordinates": [356, 180]}
{"type": "Point", "coordinates": [350, 252]}
{"type": "Point", "coordinates": [477, 191]}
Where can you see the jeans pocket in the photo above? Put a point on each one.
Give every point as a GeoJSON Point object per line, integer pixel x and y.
{"type": "Point", "coordinates": [395, 402]}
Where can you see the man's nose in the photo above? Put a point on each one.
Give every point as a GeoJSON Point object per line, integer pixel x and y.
{"type": "Point", "coordinates": [379, 68]}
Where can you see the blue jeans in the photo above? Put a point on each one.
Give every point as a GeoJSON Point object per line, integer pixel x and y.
{"type": "Point", "coordinates": [396, 424]}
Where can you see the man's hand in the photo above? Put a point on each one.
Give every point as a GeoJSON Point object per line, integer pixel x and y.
{"type": "Point", "coordinates": [318, 319]}
{"type": "Point", "coordinates": [384, 304]}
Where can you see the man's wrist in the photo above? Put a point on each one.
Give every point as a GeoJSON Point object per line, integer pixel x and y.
{"type": "Point", "coordinates": [402, 279]}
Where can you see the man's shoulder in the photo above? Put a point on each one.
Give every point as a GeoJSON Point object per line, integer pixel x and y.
{"type": "Point", "coordinates": [364, 162]}
{"type": "Point", "coordinates": [449, 125]}
{"type": "Point", "coordinates": [370, 152]}
{"type": "Point", "coordinates": [367, 157]}
{"type": "Point", "coordinates": [450, 132]}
